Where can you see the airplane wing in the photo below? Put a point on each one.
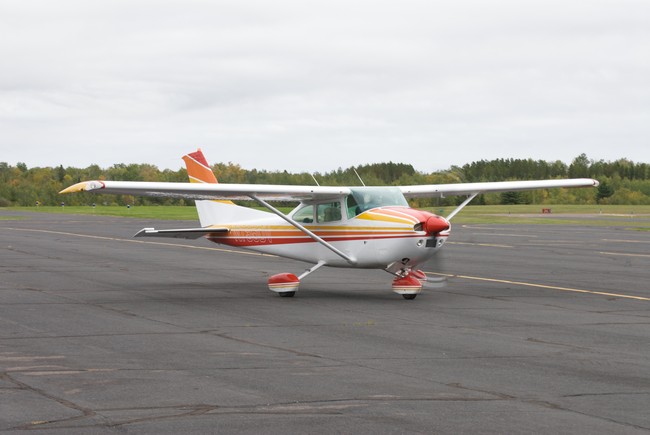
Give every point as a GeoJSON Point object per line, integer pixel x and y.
{"type": "Point", "coordinates": [443, 190]}
{"type": "Point", "coordinates": [211, 191]}
{"type": "Point", "coordinates": [297, 193]}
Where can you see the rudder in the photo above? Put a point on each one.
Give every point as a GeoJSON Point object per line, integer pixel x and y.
{"type": "Point", "coordinates": [198, 168]}
{"type": "Point", "coordinates": [214, 212]}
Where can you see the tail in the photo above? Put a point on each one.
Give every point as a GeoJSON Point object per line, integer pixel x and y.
{"type": "Point", "coordinates": [198, 168]}
{"type": "Point", "coordinates": [214, 212]}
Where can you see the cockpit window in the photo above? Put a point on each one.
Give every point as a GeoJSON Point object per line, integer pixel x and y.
{"type": "Point", "coordinates": [372, 197]}
{"type": "Point", "coordinates": [360, 200]}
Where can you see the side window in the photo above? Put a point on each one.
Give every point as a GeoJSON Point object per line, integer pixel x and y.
{"type": "Point", "coordinates": [352, 206]}
{"type": "Point", "coordinates": [305, 215]}
{"type": "Point", "coordinates": [329, 212]}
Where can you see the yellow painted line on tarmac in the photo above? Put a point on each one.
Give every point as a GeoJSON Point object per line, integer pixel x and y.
{"type": "Point", "coordinates": [544, 286]}
{"type": "Point", "coordinates": [625, 254]}
{"type": "Point", "coordinates": [511, 235]}
{"type": "Point", "coordinates": [491, 245]}
{"type": "Point", "coordinates": [626, 241]}
{"type": "Point", "coordinates": [115, 239]}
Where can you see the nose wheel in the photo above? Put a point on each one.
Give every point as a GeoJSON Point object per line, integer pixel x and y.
{"type": "Point", "coordinates": [408, 286]}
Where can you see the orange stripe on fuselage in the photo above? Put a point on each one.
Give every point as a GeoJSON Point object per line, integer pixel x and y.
{"type": "Point", "coordinates": [396, 222]}
{"type": "Point", "coordinates": [269, 241]}
{"type": "Point", "coordinates": [273, 235]}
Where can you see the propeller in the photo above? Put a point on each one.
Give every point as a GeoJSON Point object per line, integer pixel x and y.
{"type": "Point", "coordinates": [436, 265]}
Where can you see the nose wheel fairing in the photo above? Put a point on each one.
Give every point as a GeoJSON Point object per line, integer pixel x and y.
{"type": "Point", "coordinates": [408, 286]}
{"type": "Point", "coordinates": [409, 282]}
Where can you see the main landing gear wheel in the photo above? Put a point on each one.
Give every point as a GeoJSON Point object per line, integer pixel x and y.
{"type": "Point", "coordinates": [409, 296]}
{"type": "Point", "coordinates": [284, 284]}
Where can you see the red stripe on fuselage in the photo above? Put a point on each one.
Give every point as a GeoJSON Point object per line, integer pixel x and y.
{"type": "Point", "coordinates": [266, 241]}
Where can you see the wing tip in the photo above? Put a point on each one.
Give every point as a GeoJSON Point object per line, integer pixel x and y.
{"type": "Point", "coordinates": [83, 186]}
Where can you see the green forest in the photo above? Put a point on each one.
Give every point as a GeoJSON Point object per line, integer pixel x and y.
{"type": "Point", "coordinates": [621, 181]}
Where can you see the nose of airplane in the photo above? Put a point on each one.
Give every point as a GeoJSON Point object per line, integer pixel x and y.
{"type": "Point", "coordinates": [435, 224]}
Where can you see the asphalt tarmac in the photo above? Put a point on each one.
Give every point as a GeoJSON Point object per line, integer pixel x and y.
{"type": "Point", "coordinates": [541, 329]}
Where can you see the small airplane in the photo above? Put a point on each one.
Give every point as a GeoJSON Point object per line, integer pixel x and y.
{"type": "Point", "coordinates": [354, 227]}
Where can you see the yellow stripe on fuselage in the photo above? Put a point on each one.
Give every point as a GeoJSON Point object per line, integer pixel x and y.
{"type": "Point", "coordinates": [374, 216]}
{"type": "Point", "coordinates": [341, 228]}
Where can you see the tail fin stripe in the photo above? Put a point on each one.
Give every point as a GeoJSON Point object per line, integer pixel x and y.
{"type": "Point", "coordinates": [196, 180]}
{"type": "Point", "coordinates": [196, 158]}
{"type": "Point", "coordinates": [198, 169]}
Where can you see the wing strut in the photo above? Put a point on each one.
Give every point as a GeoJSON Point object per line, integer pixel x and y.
{"type": "Point", "coordinates": [304, 230]}
{"type": "Point", "coordinates": [462, 206]}
{"type": "Point", "coordinates": [311, 269]}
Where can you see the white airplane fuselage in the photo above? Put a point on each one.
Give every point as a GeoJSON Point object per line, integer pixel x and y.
{"type": "Point", "coordinates": [376, 238]}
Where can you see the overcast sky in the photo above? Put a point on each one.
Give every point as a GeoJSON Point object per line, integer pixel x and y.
{"type": "Point", "coordinates": [317, 85]}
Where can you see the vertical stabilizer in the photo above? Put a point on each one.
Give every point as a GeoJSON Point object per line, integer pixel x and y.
{"type": "Point", "coordinates": [214, 212]}
{"type": "Point", "coordinates": [198, 168]}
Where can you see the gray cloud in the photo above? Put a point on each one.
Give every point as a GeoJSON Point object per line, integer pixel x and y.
{"type": "Point", "coordinates": [317, 85]}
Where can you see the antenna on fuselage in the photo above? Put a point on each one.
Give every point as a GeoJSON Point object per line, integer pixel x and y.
{"type": "Point", "coordinates": [359, 177]}
{"type": "Point", "coordinates": [315, 180]}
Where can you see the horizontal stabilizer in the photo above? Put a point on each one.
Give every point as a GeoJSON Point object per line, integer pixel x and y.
{"type": "Point", "coordinates": [185, 233]}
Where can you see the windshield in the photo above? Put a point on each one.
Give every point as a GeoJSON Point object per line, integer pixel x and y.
{"type": "Point", "coordinates": [371, 197]}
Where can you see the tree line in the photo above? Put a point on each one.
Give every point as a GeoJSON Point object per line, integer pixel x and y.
{"type": "Point", "coordinates": [621, 181]}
